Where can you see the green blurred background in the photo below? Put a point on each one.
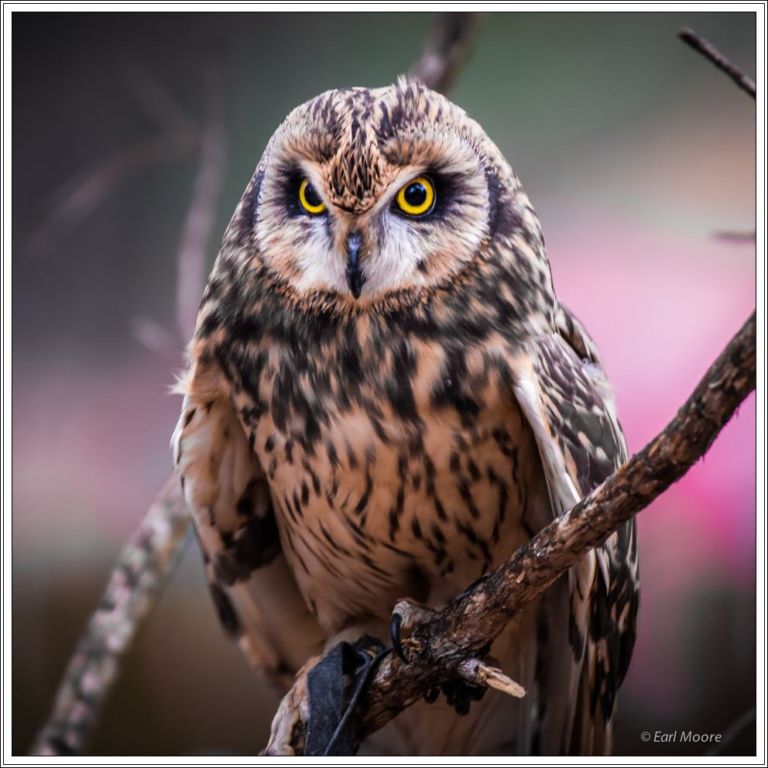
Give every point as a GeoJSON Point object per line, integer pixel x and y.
{"type": "Point", "coordinates": [635, 152]}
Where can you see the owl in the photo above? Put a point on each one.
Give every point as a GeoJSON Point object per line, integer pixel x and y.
{"type": "Point", "coordinates": [385, 399]}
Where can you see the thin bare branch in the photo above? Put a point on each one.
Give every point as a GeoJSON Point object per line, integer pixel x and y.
{"type": "Point", "coordinates": [158, 104]}
{"type": "Point", "coordinates": [734, 236]}
{"type": "Point", "coordinates": [706, 49]}
{"type": "Point", "coordinates": [732, 732]}
{"type": "Point", "coordinates": [142, 569]}
{"type": "Point", "coordinates": [202, 211]}
{"type": "Point", "coordinates": [157, 338]}
{"type": "Point", "coordinates": [447, 47]}
{"type": "Point", "coordinates": [79, 197]}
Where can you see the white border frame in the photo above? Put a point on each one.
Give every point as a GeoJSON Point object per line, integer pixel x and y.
{"type": "Point", "coordinates": [760, 189]}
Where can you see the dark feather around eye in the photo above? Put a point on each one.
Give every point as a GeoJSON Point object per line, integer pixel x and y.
{"type": "Point", "coordinates": [289, 190]}
{"type": "Point", "coordinates": [447, 193]}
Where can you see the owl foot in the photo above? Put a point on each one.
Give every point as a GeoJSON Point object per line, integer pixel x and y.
{"type": "Point", "coordinates": [326, 699]}
{"type": "Point", "coordinates": [474, 675]}
{"type": "Point", "coordinates": [405, 616]}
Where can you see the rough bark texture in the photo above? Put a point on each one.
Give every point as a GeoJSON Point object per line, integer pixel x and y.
{"type": "Point", "coordinates": [439, 642]}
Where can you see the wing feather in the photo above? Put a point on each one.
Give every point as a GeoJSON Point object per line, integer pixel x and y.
{"type": "Point", "coordinates": [562, 391]}
{"type": "Point", "coordinates": [225, 487]}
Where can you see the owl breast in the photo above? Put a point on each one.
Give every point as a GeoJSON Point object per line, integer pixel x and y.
{"type": "Point", "coordinates": [402, 471]}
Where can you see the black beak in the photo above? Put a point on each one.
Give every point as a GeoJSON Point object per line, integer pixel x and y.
{"type": "Point", "coordinates": [354, 272]}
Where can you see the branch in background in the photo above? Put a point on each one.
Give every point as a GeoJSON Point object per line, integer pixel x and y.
{"type": "Point", "coordinates": [705, 48]}
{"type": "Point", "coordinates": [440, 643]}
{"type": "Point", "coordinates": [156, 338]}
{"type": "Point", "coordinates": [202, 210]}
{"type": "Point", "coordinates": [151, 555]}
{"type": "Point", "coordinates": [732, 732]}
{"type": "Point", "coordinates": [734, 236]}
{"type": "Point", "coordinates": [158, 104]}
{"type": "Point", "coordinates": [144, 565]}
{"type": "Point", "coordinates": [77, 199]}
{"type": "Point", "coordinates": [198, 225]}
{"type": "Point", "coordinates": [446, 49]}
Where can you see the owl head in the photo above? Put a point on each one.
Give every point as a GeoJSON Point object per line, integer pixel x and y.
{"type": "Point", "coordinates": [362, 192]}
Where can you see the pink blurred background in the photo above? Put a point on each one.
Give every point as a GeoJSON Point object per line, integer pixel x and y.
{"type": "Point", "coordinates": [635, 152]}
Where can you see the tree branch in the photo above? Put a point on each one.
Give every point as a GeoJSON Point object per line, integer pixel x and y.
{"type": "Point", "coordinates": [202, 211]}
{"type": "Point", "coordinates": [79, 197]}
{"type": "Point", "coordinates": [439, 643]}
{"type": "Point", "coordinates": [446, 49]}
{"type": "Point", "coordinates": [143, 567]}
{"type": "Point", "coordinates": [706, 49]}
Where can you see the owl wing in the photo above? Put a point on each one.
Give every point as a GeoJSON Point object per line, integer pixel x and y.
{"type": "Point", "coordinates": [561, 388]}
{"type": "Point", "coordinates": [252, 587]}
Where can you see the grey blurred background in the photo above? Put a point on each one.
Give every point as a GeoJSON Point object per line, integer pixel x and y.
{"type": "Point", "coordinates": [633, 149]}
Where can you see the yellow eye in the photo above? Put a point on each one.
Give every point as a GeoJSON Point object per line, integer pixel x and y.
{"type": "Point", "coordinates": [309, 199]}
{"type": "Point", "coordinates": [417, 197]}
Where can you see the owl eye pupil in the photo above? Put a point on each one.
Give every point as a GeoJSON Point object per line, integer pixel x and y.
{"type": "Point", "coordinates": [415, 194]}
{"type": "Point", "coordinates": [311, 196]}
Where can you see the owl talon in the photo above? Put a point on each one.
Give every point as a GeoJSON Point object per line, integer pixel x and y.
{"type": "Point", "coordinates": [394, 633]}
{"type": "Point", "coordinates": [406, 615]}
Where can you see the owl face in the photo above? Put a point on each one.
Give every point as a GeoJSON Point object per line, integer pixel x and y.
{"type": "Point", "coordinates": [363, 192]}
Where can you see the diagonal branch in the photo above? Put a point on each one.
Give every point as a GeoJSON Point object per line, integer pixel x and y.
{"type": "Point", "coordinates": [440, 643]}
{"type": "Point", "coordinates": [706, 49]}
{"type": "Point", "coordinates": [459, 631]}
{"type": "Point", "coordinates": [143, 567]}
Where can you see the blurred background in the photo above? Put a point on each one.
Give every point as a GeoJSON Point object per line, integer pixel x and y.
{"type": "Point", "coordinates": [640, 160]}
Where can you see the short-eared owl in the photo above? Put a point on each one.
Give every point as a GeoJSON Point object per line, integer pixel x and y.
{"type": "Point", "coordinates": [385, 399]}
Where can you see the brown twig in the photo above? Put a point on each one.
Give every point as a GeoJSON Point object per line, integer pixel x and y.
{"type": "Point", "coordinates": [705, 48]}
{"type": "Point", "coordinates": [143, 567]}
{"type": "Point", "coordinates": [440, 643]}
{"type": "Point", "coordinates": [196, 232]}
{"type": "Point", "coordinates": [445, 51]}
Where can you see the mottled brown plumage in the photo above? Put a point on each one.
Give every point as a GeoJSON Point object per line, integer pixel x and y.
{"type": "Point", "coordinates": [345, 444]}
